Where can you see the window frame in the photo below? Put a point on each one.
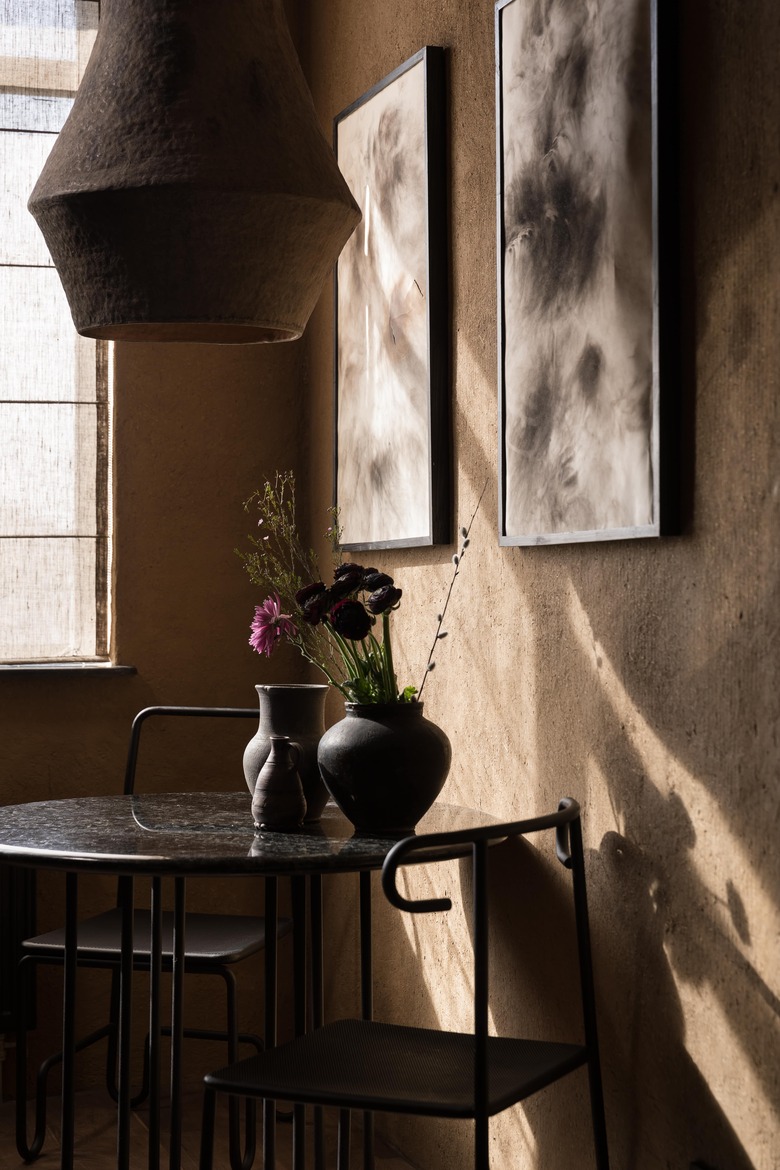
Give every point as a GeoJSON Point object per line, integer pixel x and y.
{"type": "Point", "coordinates": [101, 508]}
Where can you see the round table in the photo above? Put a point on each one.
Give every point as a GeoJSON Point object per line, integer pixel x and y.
{"type": "Point", "coordinates": [188, 834]}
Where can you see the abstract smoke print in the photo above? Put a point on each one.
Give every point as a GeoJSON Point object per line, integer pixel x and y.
{"type": "Point", "coordinates": [579, 399]}
{"type": "Point", "coordinates": [382, 338]}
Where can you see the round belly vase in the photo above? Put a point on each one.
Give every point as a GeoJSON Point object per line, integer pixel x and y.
{"type": "Point", "coordinates": [297, 711]}
{"type": "Point", "coordinates": [384, 764]}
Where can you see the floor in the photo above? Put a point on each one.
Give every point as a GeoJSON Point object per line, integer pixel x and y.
{"type": "Point", "coordinates": [96, 1139]}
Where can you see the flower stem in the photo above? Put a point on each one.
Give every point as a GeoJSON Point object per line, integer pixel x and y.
{"type": "Point", "coordinates": [391, 686]}
{"type": "Point", "coordinates": [304, 653]}
{"type": "Point", "coordinates": [456, 560]}
{"type": "Point", "coordinates": [349, 653]}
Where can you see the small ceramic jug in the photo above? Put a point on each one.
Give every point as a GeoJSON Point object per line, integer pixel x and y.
{"type": "Point", "coordinates": [278, 801]}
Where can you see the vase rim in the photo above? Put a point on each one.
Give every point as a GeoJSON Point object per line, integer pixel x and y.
{"type": "Point", "coordinates": [383, 708]}
{"type": "Point", "coordinates": [291, 686]}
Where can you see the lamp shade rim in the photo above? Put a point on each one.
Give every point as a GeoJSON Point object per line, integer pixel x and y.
{"type": "Point", "coordinates": [194, 331]}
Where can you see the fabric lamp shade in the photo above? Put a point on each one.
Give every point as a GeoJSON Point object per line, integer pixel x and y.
{"type": "Point", "coordinates": [191, 195]}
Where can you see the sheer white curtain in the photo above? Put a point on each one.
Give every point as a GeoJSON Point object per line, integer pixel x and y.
{"type": "Point", "coordinates": [54, 411]}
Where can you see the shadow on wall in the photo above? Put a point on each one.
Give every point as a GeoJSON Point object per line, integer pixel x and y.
{"type": "Point", "coordinates": [639, 1063]}
{"type": "Point", "coordinates": [689, 953]}
{"type": "Point", "coordinates": [648, 1069]}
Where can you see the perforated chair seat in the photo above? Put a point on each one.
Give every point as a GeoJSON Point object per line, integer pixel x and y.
{"type": "Point", "coordinates": [397, 1069]}
{"type": "Point", "coordinates": [209, 938]}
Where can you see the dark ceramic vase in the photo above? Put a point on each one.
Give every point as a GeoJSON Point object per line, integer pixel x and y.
{"type": "Point", "coordinates": [296, 710]}
{"type": "Point", "coordinates": [384, 765]}
{"type": "Point", "coordinates": [278, 801]}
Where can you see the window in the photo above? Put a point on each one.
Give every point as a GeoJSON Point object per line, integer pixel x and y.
{"type": "Point", "coordinates": [54, 385]}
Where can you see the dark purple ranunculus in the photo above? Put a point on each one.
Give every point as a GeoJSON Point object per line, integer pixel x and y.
{"type": "Point", "coordinates": [346, 583]}
{"type": "Point", "coordinates": [350, 620]}
{"type": "Point", "coordinates": [309, 591]}
{"type": "Point", "coordinates": [384, 598]}
{"type": "Point", "coordinates": [316, 607]}
{"type": "Point", "coordinates": [373, 580]}
{"type": "Point", "coordinates": [346, 567]}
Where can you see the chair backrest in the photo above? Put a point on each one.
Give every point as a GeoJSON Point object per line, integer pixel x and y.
{"type": "Point", "coordinates": [196, 712]}
{"type": "Point", "coordinates": [566, 824]}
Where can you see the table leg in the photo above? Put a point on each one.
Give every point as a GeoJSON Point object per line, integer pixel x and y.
{"type": "Point", "coordinates": [318, 1001]}
{"type": "Point", "coordinates": [298, 886]}
{"type": "Point", "coordinates": [177, 1021]}
{"type": "Point", "coordinates": [69, 1020]}
{"type": "Point", "coordinates": [366, 998]}
{"type": "Point", "coordinates": [125, 894]}
{"type": "Point", "coordinates": [155, 967]}
{"type": "Point", "coordinates": [271, 926]}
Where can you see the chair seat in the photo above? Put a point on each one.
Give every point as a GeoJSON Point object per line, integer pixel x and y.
{"type": "Point", "coordinates": [209, 938]}
{"type": "Point", "coordinates": [370, 1065]}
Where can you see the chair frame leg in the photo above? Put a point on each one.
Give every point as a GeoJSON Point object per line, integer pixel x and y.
{"type": "Point", "coordinates": [207, 1129]}
{"type": "Point", "coordinates": [317, 998]}
{"type": "Point", "coordinates": [177, 1019]}
{"type": "Point", "coordinates": [481, 999]}
{"type": "Point", "coordinates": [366, 998]}
{"type": "Point", "coordinates": [32, 1150]}
{"type": "Point", "coordinates": [588, 997]}
{"type": "Point", "coordinates": [298, 895]}
{"type": "Point", "coordinates": [345, 1125]}
{"type": "Point", "coordinates": [152, 1073]}
{"type": "Point", "coordinates": [271, 912]}
{"type": "Point", "coordinates": [240, 1158]}
{"type": "Point", "coordinates": [28, 1153]}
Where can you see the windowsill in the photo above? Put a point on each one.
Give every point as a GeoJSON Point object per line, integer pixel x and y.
{"type": "Point", "coordinates": [64, 668]}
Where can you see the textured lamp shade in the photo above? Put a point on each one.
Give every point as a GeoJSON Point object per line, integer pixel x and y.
{"type": "Point", "coordinates": [191, 195]}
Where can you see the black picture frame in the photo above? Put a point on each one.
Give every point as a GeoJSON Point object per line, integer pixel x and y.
{"type": "Point", "coordinates": [391, 314]}
{"type": "Point", "coordinates": [583, 238]}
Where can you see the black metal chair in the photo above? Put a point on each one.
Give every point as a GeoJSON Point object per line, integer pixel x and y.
{"type": "Point", "coordinates": [367, 1065]}
{"type": "Point", "coordinates": [213, 944]}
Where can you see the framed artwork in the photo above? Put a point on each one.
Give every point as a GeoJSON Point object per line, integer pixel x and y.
{"type": "Point", "coordinates": [577, 227]}
{"type": "Point", "coordinates": [391, 347]}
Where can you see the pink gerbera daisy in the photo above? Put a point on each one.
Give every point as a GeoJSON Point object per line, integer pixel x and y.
{"type": "Point", "coordinates": [269, 625]}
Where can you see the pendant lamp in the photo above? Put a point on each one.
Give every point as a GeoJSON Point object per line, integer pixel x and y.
{"type": "Point", "coordinates": [191, 195]}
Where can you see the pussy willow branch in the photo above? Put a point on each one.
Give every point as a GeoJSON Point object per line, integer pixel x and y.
{"type": "Point", "coordinates": [456, 561]}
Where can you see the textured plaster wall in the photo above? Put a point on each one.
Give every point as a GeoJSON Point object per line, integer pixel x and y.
{"type": "Point", "coordinates": [639, 677]}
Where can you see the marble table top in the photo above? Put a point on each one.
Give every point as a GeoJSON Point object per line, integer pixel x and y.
{"type": "Point", "coordinates": [192, 833]}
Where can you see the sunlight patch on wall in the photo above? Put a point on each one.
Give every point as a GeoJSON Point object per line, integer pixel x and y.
{"type": "Point", "coordinates": [512, 1141]}
{"type": "Point", "coordinates": [440, 945]}
{"type": "Point", "coordinates": [484, 691]}
{"type": "Point", "coordinates": [746, 939]}
{"type": "Point", "coordinates": [717, 851]}
{"type": "Point", "coordinates": [730, 1074]}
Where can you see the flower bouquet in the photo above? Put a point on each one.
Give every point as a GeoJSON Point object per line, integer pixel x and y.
{"type": "Point", "coordinates": [384, 763]}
